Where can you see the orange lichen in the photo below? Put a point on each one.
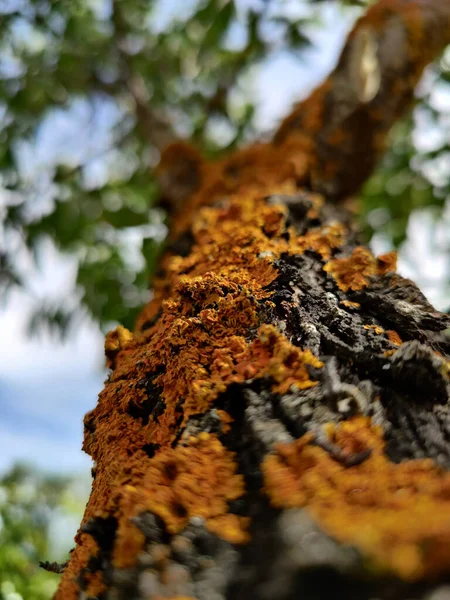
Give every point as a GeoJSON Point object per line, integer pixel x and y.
{"type": "Point", "coordinates": [230, 359]}
{"type": "Point", "coordinates": [226, 420]}
{"type": "Point", "coordinates": [208, 336]}
{"type": "Point", "coordinates": [125, 475]}
{"type": "Point", "coordinates": [95, 584]}
{"type": "Point", "coordinates": [272, 355]}
{"type": "Point", "coordinates": [86, 548]}
{"type": "Point", "coordinates": [388, 353]}
{"type": "Point", "coordinates": [322, 240]}
{"type": "Point", "coordinates": [387, 263]}
{"type": "Point", "coordinates": [193, 480]}
{"type": "Point", "coordinates": [355, 271]}
{"type": "Point", "coordinates": [230, 527]}
{"type": "Point", "coordinates": [394, 337]}
{"type": "Point", "coordinates": [200, 345]}
{"type": "Point", "coordinates": [349, 304]}
{"type": "Point", "coordinates": [376, 328]}
{"type": "Point", "coordinates": [398, 515]}
{"type": "Point", "coordinates": [116, 340]}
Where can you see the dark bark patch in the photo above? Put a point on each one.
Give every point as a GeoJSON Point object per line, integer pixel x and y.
{"type": "Point", "coordinates": [152, 405]}
{"type": "Point", "coordinates": [150, 449]}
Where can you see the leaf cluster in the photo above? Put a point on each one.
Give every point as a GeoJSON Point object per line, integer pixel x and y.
{"type": "Point", "coordinates": [30, 504]}
{"type": "Point", "coordinates": [83, 88]}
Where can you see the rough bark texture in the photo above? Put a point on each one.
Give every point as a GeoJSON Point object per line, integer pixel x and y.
{"type": "Point", "coordinates": [278, 425]}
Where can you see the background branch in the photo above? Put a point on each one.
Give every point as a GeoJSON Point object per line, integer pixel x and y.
{"type": "Point", "coordinates": [156, 127]}
{"type": "Point", "coordinates": [348, 117]}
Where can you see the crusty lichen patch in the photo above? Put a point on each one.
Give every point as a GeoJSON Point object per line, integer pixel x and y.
{"type": "Point", "coordinates": [355, 271]}
{"type": "Point", "coordinates": [116, 340]}
{"type": "Point", "coordinates": [271, 355]}
{"type": "Point", "coordinates": [394, 337]}
{"type": "Point", "coordinates": [96, 585]}
{"type": "Point", "coordinates": [397, 515]}
{"type": "Point", "coordinates": [198, 479]}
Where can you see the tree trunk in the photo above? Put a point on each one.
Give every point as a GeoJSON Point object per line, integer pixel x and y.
{"type": "Point", "coordinates": [278, 424]}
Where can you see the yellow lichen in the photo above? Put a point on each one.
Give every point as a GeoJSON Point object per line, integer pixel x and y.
{"type": "Point", "coordinates": [322, 240]}
{"type": "Point", "coordinates": [398, 515]}
{"type": "Point", "coordinates": [355, 271]}
{"type": "Point", "coordinates": [226, 420]}
{"type": "Point", "coordinates": [376, 328]}
{"type": "Point", "coordinates": [394, 337]}
{"type": "Point", "coordinates": [116, 340]}
{"type": "Point", "coordinates": [95, 584]}
{"type": "Point", "coordinates": [198, 479]}
{"type": "Point", "coordinates": [349, 304]}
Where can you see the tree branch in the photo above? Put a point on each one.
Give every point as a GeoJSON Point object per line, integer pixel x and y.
{"type": "Point", "coordinates": [346, 120]}
{"type": "Point", "coordinates": [234, 457]}
{"type": "Point", "coordinates": [156, 127]}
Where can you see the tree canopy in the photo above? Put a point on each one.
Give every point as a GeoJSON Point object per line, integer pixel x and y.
{"type": "Point", "coordinates": [36, 510]}
{"type": "Point", "coordinates": [91, 91]}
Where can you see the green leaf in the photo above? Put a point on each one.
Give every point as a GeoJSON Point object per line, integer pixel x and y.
{"type": "Point", "coordinates": [218, 27]}
{"type": "Point", "coordinates": [151, 250]}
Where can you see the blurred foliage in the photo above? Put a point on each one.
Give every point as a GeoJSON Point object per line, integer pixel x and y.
{"type": "Point", "coordinates": [90, 70]}
{"type": "Point", "coordinates": [89, 90]}
{"type": "Point", "coordinates": [415, 172]}
{"type": "Point", "coordinates": [30, 505]}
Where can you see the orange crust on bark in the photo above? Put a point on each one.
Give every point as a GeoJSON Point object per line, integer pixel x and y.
{"type": "Point", "coordinates": [397, 515]}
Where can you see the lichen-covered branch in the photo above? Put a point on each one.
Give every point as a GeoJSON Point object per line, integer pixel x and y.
{"type": "Point", "coordinates": [331, 142]}
{"type": "Point", "coordinates": [347, 118]}
{"type": "Point", "coordinates": [277, 425]}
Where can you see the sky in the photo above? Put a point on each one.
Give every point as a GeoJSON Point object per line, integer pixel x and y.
{"type": "Point", "coordinates": [46, 387]}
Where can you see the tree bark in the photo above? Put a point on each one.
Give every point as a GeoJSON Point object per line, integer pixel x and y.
{"type": "Point", "coordinates": [278, 424]}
